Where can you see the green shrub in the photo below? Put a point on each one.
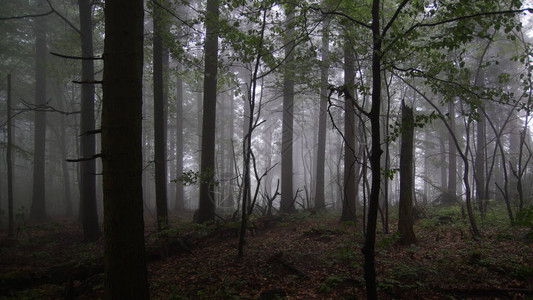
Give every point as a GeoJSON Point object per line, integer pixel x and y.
{"type": "Point", "coordinates": [524, 216]}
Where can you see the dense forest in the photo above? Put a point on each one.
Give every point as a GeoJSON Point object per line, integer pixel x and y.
{"type": "Point", "coordinates": [224, 149]}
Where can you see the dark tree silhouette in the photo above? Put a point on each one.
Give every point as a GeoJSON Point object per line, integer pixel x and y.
{"type": "Point", "coordinates": [124, 257]}
{"type": "Point", "coordinates": [206, 210]}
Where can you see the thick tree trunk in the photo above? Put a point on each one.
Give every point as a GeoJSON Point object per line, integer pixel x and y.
{"type": "Point", "coordinates": [287, 203]}
{"type": "Point", "coordinates": [405, 218]}
{"type": "Point", "coordinates": [38, 205]}
{"type": "Point", "coordinates": [88, 208]}
{"type": "Point", "coordinates": [206, 211]}
{"type": "Point", "coordinates": [124, 257]}
{"type": "Point", "coordinates": [160, 118]}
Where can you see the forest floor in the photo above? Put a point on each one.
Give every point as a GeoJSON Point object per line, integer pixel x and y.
{"type": "Point", "coordinates": [299, 256]}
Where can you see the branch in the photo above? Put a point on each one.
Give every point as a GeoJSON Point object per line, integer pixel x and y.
{"type": "Point", "coordinates": [343, 91]}
{"type": "Point", "coordinates": [391, 21]}
{"type": "Point", "coordinates": [45, 108]}
{"type": "Point", "coordinates": [170, 12]}
{"type": "Point", "coordinates": [26, 16]}
{"type": "Point", "coordinates": [63, 18]}
{"type": "Point", "coordinates": [85, 158]}
{"type": "Point", "coordinates": [88, 82]}
{"type": "Point", "coordinates": [336, 13]}
{"type": "Point", "coordinates": [514, 11]}
{"type": "Point", "coordinates": [77, 57]}
{"type": "Point", "coordinates": [89, 132]}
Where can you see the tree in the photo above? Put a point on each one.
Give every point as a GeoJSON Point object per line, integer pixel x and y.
{"type": "Point", "coordinates": [451, 192]}
{"type": "Point", "coordinates": [287, 201]}
{"type": "Point", "coordinates": [350, 191]}
{"type": "Point", "coordinates": [206, 210]}
{"type": "Point", "coordinates": [160, 64]}
{"type": "Point", "coordinates": [38, 205]}
{"type": "Point", "coordinates": [320, 202]}
{"type": "Point", "coordinates": [124, 256]}
{"type": "Point", "coordinates": [88, 208]}
{"type": "Point", "coordinates": [180, 201]}
{"type": "Point", "coordinates": [405, 215]}
{"type": "Point", "coordinates": [9, 161]}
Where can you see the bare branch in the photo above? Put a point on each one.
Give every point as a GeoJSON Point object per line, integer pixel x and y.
{"type": "Point", "coordinates": [77, 57]}
{"type": "Point", "coordinates": [63, 18]}
{"type": "Point", "coordinates": [26, 16]}
{"type": "Point", "coordinates": [85, 158]}
{"type": "Point", "coordinates": [89, 132]}
{"type": "Point", "coordinates": [88, 82]}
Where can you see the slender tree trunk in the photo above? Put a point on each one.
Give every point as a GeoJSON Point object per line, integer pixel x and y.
{"type": "Point", "coordinates": [62, 136]}
{"type": "Point", "coordinates": [124, 256]}
{"type": "Point", "coordinates": [479, 174]}
{"type": "Point", "coordinates": [320, 202]}
{"type": "Point", "coordinates": [88, 208]}
{"type": "Point", "coordinates": [160, 117]}
{"type": "Point", "coordinates": [451, 195]}
{"type": "Point", "coordinates": [405, 218]}
{"type": "Point", "coordinates": [180, 201]}
{"type": "Point", "coordinates": [287, 204]}
{"type": "Point", "coordinates": [206, 211]}
{"type": "Point", "coordinates": [375, 158]}
{"type": "Point", "coordinates": [443, 170]}
{"type": "Point", "coordinates": [38, 205]}
{"type": "Point", "coordinates": [348, 203]}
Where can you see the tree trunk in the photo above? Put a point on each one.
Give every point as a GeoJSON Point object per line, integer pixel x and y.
{"type": "Point", "coordinates": [375, 158]}
{"type": "Point", "coordinates": [88, 208]}
{"type": "Point", "coordinates": [124, 256]}
{"type": "Point", "coordinates": [320, 202]}
{"type": "Point", "coordinates": [160, 117]}
{"type": "Point", "coordinates": [443, 170]}
{"type": "Point", "coordinates": [180, 201]}
{"type": "Point", "coordinates": [287, 203]}
{"type": "Point", "coordinates": [206, 211]}
{"type": "Point", "coordinates": [405, 216]}
{"type": "Point", "coordinates": [479, 174]}
{"type": "Point", "coordinates": [348, 203]}
{"type": "Point", "coordinates": [451, 195]}
{"type": "Point", "coordinates": [38, 205]}
{"type": "Point", "coordinates": [9, 161]}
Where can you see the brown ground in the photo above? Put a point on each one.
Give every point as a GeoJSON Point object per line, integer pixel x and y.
{"type": "Point", "coordinates": [300, 256]}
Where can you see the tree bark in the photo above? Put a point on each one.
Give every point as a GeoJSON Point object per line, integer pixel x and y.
{"type": "Point", "coordinates": [405, 218]}
{"type": "Point", "coordinates": [88, 208]}
{"type": "Point", "coordinates": [9, 161]}
{"type": "Point", "coordinates": [124, 255]}
{"type": "Point", "coordinates": [206, 211]}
